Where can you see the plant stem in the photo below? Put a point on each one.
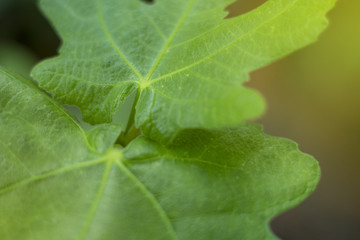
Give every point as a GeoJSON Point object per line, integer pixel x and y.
{"type": "Point", "coordinates": [131, 132]}
{"type": "Point", "coordinates": [125, 138]}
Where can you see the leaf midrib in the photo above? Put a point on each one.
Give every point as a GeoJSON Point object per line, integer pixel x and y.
{"type": "Point", "coordinates": [225, 47]}
{"type": "Point", "coordinates": [95, 205]}
{"type": "Point", "coordinates": [169, 40]}
{"type": "Point", "coordinates": [53, 173]}
{"type": "Point", "coordinates": [147, 193]}
{"type": "Point", "coordinates": [143, 81]}
{"type": "Point", "coordinates": [112, 42]}
{"type": "Point", "coordinates": [110, 162]}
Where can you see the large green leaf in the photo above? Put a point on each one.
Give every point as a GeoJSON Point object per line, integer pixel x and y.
{"type": "Point", "coordinates": [187, 63]}
{"type": "Point", "coordinates": [224, 184]}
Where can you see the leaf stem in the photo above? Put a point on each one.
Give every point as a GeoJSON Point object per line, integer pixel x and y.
{"type": "Point", "coordinates": [125, 138]}
{"type": "Point", "coordinates": [131, 120]}
{"type": "Point", "coordinates": [131, 131]}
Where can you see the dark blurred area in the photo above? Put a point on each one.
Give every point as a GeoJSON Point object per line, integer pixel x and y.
{"type": "Point", "coordinates": [25, 35]}
{"type": "Point", "coordinates": [313, 98]}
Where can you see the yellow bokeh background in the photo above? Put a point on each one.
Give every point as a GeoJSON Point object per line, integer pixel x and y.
{"type": "Point", "coordinates": [313, 98]}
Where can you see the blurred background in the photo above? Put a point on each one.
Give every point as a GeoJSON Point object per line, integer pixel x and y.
{"type": "Point", "coordinates": [313, 98]}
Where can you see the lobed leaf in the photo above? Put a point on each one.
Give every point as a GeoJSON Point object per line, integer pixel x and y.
{"type": "Point", "coordinates": [185, 60]}
{"type": "Point", "coordinates": [224, 184]}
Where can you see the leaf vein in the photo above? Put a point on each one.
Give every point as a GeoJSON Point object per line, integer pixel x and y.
{"type": "Point", "coordinates": [51, 174]}
{"type": "Point", "coordinates": [16, 157]}
{"type": "Point", "coordinates": [95, 205]}
{"type": "Point", "coordinates": [150, 197]}
{"type": "Point", "coordinates": [89, 82]}
{"type": "Point", "coordinates": [169, 40]}
{"type": "Point", "coordinates": [208, 57]}
{"type": "Point", "coordinates": [112, 42]}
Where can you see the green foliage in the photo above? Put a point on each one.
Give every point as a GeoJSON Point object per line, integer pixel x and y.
{"type": "Point", "coordinates": [186, 61]}
{"type": "Point", "coordinates": [223, 184]}
{"type": "Point", "coordinates": [174, 70]}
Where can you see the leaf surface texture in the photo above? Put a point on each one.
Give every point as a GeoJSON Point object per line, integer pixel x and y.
{"type": "Point", "coordinates": [186, 61]}
{"type": "Point", "coordinates": [54, 184]}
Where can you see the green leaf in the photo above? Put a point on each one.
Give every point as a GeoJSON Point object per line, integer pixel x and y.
{"type": "Point", "coordinates": [36, 133]}
{"type": "Point", "coordinates": [187, 63]}
{"type": "Point", "coordinates": [224, 184]}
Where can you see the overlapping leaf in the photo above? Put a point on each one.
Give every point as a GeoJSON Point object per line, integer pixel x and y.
{"type": "Point", "coordinates": [187, 63]}
{"type": "Point", "coordinates": [224, 184]}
